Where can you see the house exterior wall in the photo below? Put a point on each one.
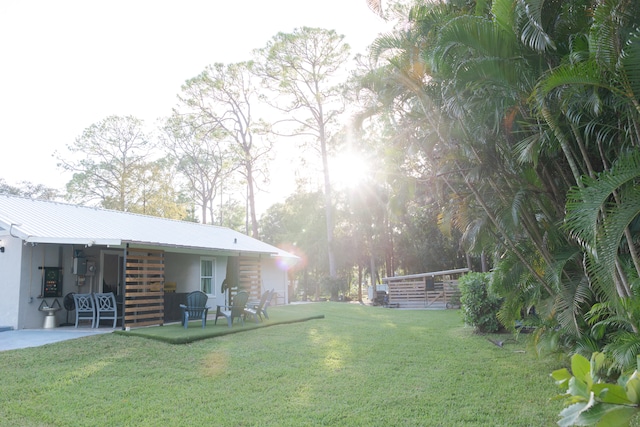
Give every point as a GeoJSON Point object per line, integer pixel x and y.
{"type": "Point", "coordinates": [21, 279]}
{"type": "Point", "coordinates": [274, 276]}
{"type": "Point", "coordinates": [31, 279]}
{"type": "Point", "coordinates": [10, 289]}
{"type": "Point", "coordinates": [184, 270]}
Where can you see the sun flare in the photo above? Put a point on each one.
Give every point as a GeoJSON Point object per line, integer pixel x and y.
{"type": "Point", "coordinates": [348, 169]}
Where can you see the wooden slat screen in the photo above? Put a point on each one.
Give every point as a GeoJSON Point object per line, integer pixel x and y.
{"type": "Point", "coordinates": [144, 288]}
{"type": "Point", "coordinates": [415, 292]}
{"type": "Point", "coordinates": [249, 276]}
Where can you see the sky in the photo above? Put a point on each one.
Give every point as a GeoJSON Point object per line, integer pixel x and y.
{"type": "Point", "coordinates": [67, 64]}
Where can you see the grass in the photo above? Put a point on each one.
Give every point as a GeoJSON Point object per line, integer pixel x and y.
{"type": "Point", "coordinates": [357, 366]}
{"type": "Point", "coordinates": [175, 333]}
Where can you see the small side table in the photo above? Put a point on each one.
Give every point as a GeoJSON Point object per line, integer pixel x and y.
{"type": "Point", "coordinates": [50, 318]}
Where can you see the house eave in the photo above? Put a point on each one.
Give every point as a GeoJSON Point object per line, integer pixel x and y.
{"type": "Point", "coordinates": [72, 241]}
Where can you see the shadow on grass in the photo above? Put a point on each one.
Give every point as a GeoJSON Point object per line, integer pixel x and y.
{"type": "Point", "coordinates": [175, 333]}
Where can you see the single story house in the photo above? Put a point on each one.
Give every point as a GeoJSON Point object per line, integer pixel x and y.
{"type": "Point", "coordinates": [49, 250]}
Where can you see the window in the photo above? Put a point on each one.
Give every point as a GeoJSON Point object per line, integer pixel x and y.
{"type": "Point", "coordinates": [207, 275]}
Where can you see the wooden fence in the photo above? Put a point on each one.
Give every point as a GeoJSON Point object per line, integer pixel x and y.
{"type": "Point", "coordinates": [438, 289]}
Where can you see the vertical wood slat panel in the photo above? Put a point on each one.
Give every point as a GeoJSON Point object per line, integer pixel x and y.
{"type": "Point", "coordinates": [249, 276]}
{"type": "Point", "coordinates": [144, 288]}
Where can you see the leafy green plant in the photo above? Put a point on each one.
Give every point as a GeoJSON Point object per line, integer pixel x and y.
{"type": "Point", "coordinates": [480, 305]}
{"type": "Point", "coordinates": [591, 401]}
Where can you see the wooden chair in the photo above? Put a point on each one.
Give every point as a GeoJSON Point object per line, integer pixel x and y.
{"type": "Point", "coordinates": [195, 309]}
{"type": "Point", "coordinates": [256, 309]}
{"type": "Point", "coordinates": [85, 309]}
{"type": "Point", "coordinates": [235, 311]}
{"type": "Point", "coordinates": [106, 308]}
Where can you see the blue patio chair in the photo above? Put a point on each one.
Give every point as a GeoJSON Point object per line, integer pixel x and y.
{"type": "Point", "coordinates": [85, 308]}
{"type": "Point", "coordinates": [235, 311]}
{"type": "Point", "coordinates": [195, 309]}
{"type": "Point", "coordinates": [106, 308]}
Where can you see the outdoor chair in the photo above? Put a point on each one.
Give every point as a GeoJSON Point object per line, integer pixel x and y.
{"type": "Point", "coordinates": [195, 309]}
{"type": "Point", "coordinates": [255, 310]}
{"type": "Point", "coordinates": [85, 309]}
{"type": "Point", "coordinates": [267, 303]}
{"type": "Point", "coordinates": [106, 308]}
{"type": "Point", "coordinates": [235, 311]}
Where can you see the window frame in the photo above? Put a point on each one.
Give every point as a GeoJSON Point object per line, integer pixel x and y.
{"type": "Point", "coordinates": [212, 277]}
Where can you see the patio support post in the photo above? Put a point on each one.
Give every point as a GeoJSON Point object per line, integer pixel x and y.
{"type": "Point", "coordinates": [123, 282]}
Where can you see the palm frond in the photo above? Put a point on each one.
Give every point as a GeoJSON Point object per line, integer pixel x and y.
{"type": "Point", "coordinates": [532, 32]}
{"type": "Point", "coordinates": [584, 205]}
{"type": "Point", "coordinates": [624, 349]}
{"type": "Point", "coordinates": [375, 6]}
{"type": "Point", "coordinates": [466, 34]}
{"type": "Point", "coordinates": [631, 64]}
{"type": "Point", "coordinates": [503, 14]}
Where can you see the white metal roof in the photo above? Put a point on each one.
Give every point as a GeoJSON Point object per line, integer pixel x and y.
{"type": "Point", "coordinates": [38, 221]}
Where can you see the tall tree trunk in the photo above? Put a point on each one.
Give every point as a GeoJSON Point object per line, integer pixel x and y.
{"type": "Point", "coordinates": [252, 201]}
{"type": "Point", "coordinates": [359, 283]}
{"type": "Point", "coordinates": [328, 205]}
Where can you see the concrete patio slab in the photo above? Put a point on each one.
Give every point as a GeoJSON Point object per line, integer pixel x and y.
{"type": "Point", "coordinates": [23, 338]}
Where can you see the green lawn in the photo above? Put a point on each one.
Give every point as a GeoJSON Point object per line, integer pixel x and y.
{"type": "Point", "coordinates": [357, 366]}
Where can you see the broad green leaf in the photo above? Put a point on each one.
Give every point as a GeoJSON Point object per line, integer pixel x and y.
{"type": "Point", "coordinates": [597, 360]}
{"type": "Point", "coordinates": [570, 414]}
{"type": "Point", "coordinates": [561, 377]}
{"type": "Point", "coordinates": [619, 416]}
{"type": "Point", "coordinates": [581, 368]}
{"type": "Point", "coordinates": [578, 388]}
{"type": "Point", "coordinates": [633, 388]}
{"type": "Point", "coordinates": [593, 414]}
{"type": "Point", "coordinates": [611, 393]}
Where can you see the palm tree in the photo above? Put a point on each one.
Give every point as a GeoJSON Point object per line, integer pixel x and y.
{"type": "Point", "coordinates": [513, 106]}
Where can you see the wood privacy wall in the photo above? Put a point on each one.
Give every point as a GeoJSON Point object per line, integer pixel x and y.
{"type": "Point", "coordinates": [427, 290]}
{"type": "Point", "coordinates": [249, 277]}
{"type": "Point", "coordinates": [144, 288]}
{"type": "Point", "coordinates": [244, 274]}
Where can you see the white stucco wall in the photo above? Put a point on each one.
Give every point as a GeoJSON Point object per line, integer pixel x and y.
{"type": "Point", "coordinates": [274, 276]}
{"type": "Point", "coordinates": [10, 261]}
{"type": "Point", "coordinates": [33, 257]}
{"type": "Point", "coordinates": [184, 270]}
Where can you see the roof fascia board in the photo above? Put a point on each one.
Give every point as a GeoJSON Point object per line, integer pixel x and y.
{"type": "Point", "coordinates": [72, 241]}
{"type": "Point", "coordinates": [197, 249]}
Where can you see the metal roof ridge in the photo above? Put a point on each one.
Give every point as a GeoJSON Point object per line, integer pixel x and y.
{"type": "Point", "coordinates": [115, 211]}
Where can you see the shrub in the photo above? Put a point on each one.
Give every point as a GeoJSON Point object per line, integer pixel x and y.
{"type": "Point", "coordinates": [479, 305]}
{"type": "Point", "coordinates": [590, 401]}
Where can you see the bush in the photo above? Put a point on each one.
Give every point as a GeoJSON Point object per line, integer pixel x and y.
{"type": "Point", "coordinates": [479, 305]}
